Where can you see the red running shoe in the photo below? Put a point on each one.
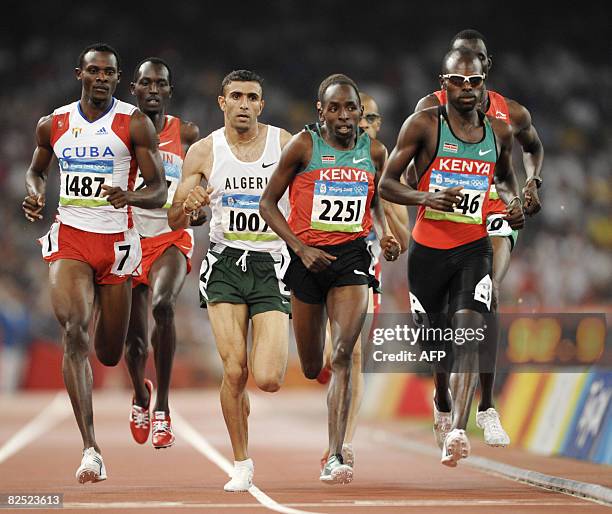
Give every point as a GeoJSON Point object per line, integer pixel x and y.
{"type": "Point", "coordinates": [324, 376]}
{"type": "Point", "coordinates": [162, 430]}
{"type": "Point", "coordinates": [140, 417]}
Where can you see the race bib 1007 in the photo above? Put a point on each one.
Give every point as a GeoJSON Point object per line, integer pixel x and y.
{"type": "Point", "coordinates": [469, 209]}
{"type": "Point", "coordinates": [241, 220]}
{"type": "Point", "coordinates": [338, 206]}
{"type": "Point", "coordinates": [81, 181]}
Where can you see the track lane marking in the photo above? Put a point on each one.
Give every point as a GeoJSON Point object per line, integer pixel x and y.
{"type": "Point", "coordinates": [51, 415]}
{"type": "Point", "coordinates": [199, 442]}
{"type": "Point", "coordinates": [587, 491]}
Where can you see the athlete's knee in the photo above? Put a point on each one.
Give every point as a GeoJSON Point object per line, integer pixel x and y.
{"type": "Point", "coordinates": [311, 370]}
{"type": "Point", "coordinates": [136, 348]}
{"type": "Point", "coordinates": [235, 375]}
{"type": "Point", "coordinates": [163, 308]}
{"type": "Point", "coordinates": [341, 356]}
{"type": "Point", "coordinates": [76, 339]}
{"type": "Point", "coordinates": [108, 357]}
{"type": "Point", "coordinates": [269, 383]}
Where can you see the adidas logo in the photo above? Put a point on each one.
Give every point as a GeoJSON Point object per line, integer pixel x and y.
{"type": "Point", "coordinates": [101, 132]}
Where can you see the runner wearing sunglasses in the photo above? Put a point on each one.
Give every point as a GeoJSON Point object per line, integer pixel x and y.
{"type": "Point", "coordinates": [458, 152]}
{"type": "Point", "coordinates": [503, 238]}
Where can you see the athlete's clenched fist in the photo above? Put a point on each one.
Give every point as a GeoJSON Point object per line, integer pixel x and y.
{"type": "Point", "coordinates": [32, 206]}
{"type": "Point", "coordinates": [390, 247]}
{"type": "Point", "coordinates": [197, 197]}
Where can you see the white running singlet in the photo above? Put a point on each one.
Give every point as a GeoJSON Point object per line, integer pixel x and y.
{"type": "Point", "coordinates": [237, 188]}
{"type": "Point", "coordinates": [92, 154]}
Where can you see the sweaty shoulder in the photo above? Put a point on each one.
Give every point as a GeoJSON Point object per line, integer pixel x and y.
{"type": "Point", "coordinates": [519, 115]}
{"type": "Point", "coordinates": [43, 130]}
{"type": "Point", "coordinates": [285, 137]}
{"type": "Point", "coordinates": [378, 151]}
{"type": "Point", "coordinates": [190, 132]}
{"type": "Point", "coordinates": [426, 102]}
{"type": "Point", "coordinates": [502, 130]}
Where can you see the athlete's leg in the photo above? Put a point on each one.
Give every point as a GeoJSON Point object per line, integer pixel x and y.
{"type": "Point", "coordinates": [270, 348]}
{"type": "Point", "coordinates": [309, 329]}
{"type": "Point", "coordinates": [112, 320]}
{"type": "Point", "coordinates": [501, 263]}
{"type": "Point", "coordinates": [466, 356]}
{"type": "Point", "coordinates": [230, 324]}
{"type": "Point", "coordinates": [72, 296]}
{"type": "Point", "coordinates": [167, 276]}
{"type": "Point", "coordinates": [137, 343]}
{"type": "Point", "coordinates": [347, 307]}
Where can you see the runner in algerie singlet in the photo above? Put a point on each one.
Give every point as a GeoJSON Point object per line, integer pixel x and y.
{"type": "Point", "coordinates": [457, 153]}
{"type": "Point", "coordinates": [166, 260]}
{"type": "Point", "coordinates": [331, 171]}
{"type": "Point", "coordinates": [241, 276]}
{"type": "Point", "coordinates": [503, 238]}
{"type": "Point", "coordinates": [93, 248]}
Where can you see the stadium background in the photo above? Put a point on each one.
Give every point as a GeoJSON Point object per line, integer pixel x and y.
{"type": "Point", "coordinates": [556, 62]}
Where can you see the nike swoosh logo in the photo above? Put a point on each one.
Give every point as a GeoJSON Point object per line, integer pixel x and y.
{"type": "Point", "coordinates": [165, 143]}
{"type": "Point", "coordinates": [357, 272]}
{"type": "Point", "coordinates": [481, 153]}
{"type": "Point", "coordinates": [357, 161]}
{"type": "Point", "coordinates": [264, 165]}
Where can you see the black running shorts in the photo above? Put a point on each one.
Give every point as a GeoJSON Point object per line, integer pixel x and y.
{"type": "Point", "coordinates": [446, 281]}
{"type": "Point", "coordinates": [353, 266]}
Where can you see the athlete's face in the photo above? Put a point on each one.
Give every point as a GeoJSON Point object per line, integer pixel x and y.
{"type": "Point", "coordinates": [463, 95]}
{"type": "Point", "coordinates": [99, 75]}
{"type": "Point", "coordinates": [152, 89]}
{"type": "Point", "coordinates": [242, 104]}
{"type": "Point", "coordinates": [340, 111]}
{"type": "Point", "coordinates": [479, 48]}
{"type": "Point", "coordinates": [371, 119]}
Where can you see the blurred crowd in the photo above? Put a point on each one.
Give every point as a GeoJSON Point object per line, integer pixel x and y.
{"type": "Point", "coordinates": [562, 260]}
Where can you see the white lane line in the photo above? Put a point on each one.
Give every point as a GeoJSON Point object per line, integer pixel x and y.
{"type": "Point", "coordinates": [584, 490]}
{"type": "Point", "coordinates": [50, 416]}
{"type": "Point", "coordinates": [199, 442]}
{"type": "Point", "coordinates": [335, 504]}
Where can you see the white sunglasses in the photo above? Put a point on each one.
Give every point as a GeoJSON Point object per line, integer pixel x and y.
{"type": "Point", "coordinates": [458, 80]}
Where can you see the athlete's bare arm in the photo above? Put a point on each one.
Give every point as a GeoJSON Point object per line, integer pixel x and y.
{"type": "Point", "coordinates": [416, 141]}
{"type": "Point", "coordinates": [426, 102]}
{"type": "Point", "coordinates": [505, 176]}
{"type": "Point", "coordinates": [190, 133]}
{"type": "Point", "coordinates": [144, 141]}
{"type": "Point", "coordinates": [533, 153]}
{"type": "Point", "coordinates": [285, 137]}
{"type": "Point", "coordinates": [36, 176]}
{"type": "Point", "coordinates": [294, 158]}
{"type": "Point", "coordinates": [390, 247]}
{"type": "Point", "coordinates": [397, 218]}
{"type": "Point", "coordinates": [190, 196]}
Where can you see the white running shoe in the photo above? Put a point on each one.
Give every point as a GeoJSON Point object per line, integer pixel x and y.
{"type": "Point", "coordinates": [442, 425]}
{"type": "Point", "coordinates": [456, 447]}
{"type": "Point", "coordinates": [336, 472]}
{"type": "Point", "coordinates": [348, 454]}
{"type": "Point", "coordinates": [242, 476]}
{"type": "Point", "coordinates": [92, 467]}
{"type": "Point", "coordinates": [494, 433]}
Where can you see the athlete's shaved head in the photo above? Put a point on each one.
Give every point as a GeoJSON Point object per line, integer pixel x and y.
{"type": "Point", "coordinates": [153, 60]}
{"type": "Point", "coordinates": [469, 34]}
{"type": "Point", "coordinates": [336, 78]}
{"type": "Point", "coordinates": [455, 55]}
{"type": "Point", "coordinates": [241, 76]}
{"type": "Point", "coordinates": [99, 47]}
